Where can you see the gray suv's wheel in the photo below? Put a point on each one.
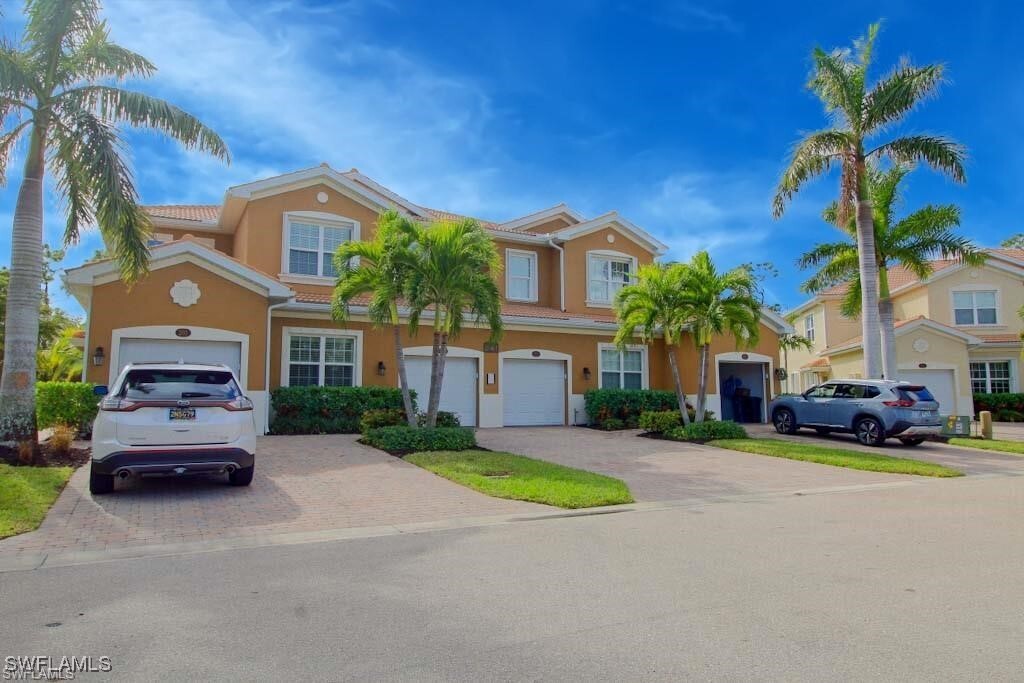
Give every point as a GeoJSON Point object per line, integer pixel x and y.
{"type": "Point", "coordinates": [869, 431]}
{"type": "Point", "coordinates": [784, 421]}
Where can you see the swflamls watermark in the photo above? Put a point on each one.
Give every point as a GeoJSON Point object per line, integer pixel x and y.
{"type": "Point", "coordinates": [46, 668]}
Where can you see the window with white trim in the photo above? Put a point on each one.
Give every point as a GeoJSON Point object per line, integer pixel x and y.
{"type": "Point", "coordinates": [975, 308]}
{"type": "Point", "coordinates": [321, 360]}
{"type": "Point", "coordinates": [311, 246]}
{"type": "Point", "coordinates": [622, 369]}
{"type": "Point", "coordinates": [809, 327]}
{"type": "Point", "coordinates": [990, 377]}
{"type": "Point", "coordinates": [520, 275]}
{"type": "Point", "coordinates": [607, 275]}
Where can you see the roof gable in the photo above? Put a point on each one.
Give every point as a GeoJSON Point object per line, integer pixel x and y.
{"type": "Point", "coordinates": [613, 220]}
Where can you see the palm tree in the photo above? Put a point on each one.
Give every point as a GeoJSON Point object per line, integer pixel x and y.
{"type": "Point", "coordinates": [911, 242]}
{"type": "Point", "coordinates": [56, 93]}
{"type": "Point", "coordinates": [860, 114]}
{"type": "Point", "coordinates": [654, 304]}
{"type": "Point", "coordinates": [453, 276]}
{"type": "Point", "coordinates": [61, 361]}
{"type": "Point", "coordinates": [715, 304]}
{"type": "Point", "coordinates": [789, 342]}
{"type": "Point", "coordinates": [380, 269]}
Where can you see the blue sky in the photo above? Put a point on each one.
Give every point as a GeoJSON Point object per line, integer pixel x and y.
{"type": "Point", "coordinates": [678, 114]}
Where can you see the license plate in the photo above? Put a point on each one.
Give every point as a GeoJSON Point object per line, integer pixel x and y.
{"type": "Point", "coordinates": [182, 414]}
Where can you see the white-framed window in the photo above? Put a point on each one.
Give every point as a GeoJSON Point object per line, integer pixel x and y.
{"type": "Point", "coordinates": [325, 358]}
{"type": "Point", "coordinates": [991, 377]}
{"type": "Point", "coordinates": [520, 275]}
{"type": "Point", "coordinates": [622, 368]}
{"type": "Point", "coordinates": [976, 307]}
{"type": "Point", "coordinates": [607, 273]}
{"type": "Point", "coordinates": [809, 327]}
{"type": "Point", "coordinates": [310, 240]}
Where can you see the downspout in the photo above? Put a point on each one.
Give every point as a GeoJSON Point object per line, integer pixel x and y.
{"type": "Point", "coordinates": [266, 366]}
{"type": "Point", "coordinates": [561, 273]}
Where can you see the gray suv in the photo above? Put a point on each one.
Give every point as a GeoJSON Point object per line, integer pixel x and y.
{"type": "Point", "coordinates": [873, 410]}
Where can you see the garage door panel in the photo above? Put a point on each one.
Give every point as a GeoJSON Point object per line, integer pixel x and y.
{"type": "Point", "coordinates": [533, 392]}
{"type": "Point", "coordinates": [939, 382]}
{"type": "Point", "coordinates": [458, 389]}
{"type": "Point", "coordinates": [133, 350]}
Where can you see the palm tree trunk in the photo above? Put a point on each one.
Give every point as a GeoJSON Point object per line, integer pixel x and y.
{"type": "Point", "coordinates": [673, 363]}
{"type": "Point", "coordinates": [435, 383]}
{"type": "Point", "coordinates": [702, 389]}
{"type": "Point", "coordinates": [887, 318]}
{"type": "Point", "coordinates": [18, 385]}
{"type": "Point", "coordinates": [403, 378]}
{"type": "Point", "coordinates": [870, 324]}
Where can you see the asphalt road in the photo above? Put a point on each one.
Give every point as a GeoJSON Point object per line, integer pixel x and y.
{"type": "Point", "coordinates": [916, 582]}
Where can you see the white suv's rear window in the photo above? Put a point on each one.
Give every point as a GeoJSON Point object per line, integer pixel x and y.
{"type": "Point", "coordinates": [158, 385]}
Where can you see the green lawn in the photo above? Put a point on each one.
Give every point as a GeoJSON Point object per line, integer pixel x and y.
{"type": "Point", "coordinates": [504, 475]}
{"type": "Point", "coordinates": [1014, 447]}
{"type": "Point", "coordinates": [26, 494]}
{"type": "Point", "coordinates": [857, 460]}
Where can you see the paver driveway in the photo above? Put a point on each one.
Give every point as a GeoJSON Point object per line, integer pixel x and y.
{"type": "Point", "coordinates": [658, 470]}
{"type": "Point", "coordinates": [303, 483]}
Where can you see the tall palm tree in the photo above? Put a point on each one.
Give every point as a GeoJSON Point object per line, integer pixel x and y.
{"type": "Point", "coordinates": [453, 272]}
{"type": "Point", "coordinates": [716, 304]}
{"type": "Point", "coordinates": [788, 342]}
{"type": "Point", "coordinates": [911, 242]}
{"type": "Point", "coordinates": [860, 114]}
{"type": "Point", "coordinates": [380, 269]}
{"type": "Point", "coordinates": [654, 304]}
{"type": "Point", "coordinates": [56, 94]}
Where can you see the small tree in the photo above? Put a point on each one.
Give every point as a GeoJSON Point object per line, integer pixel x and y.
{"type": "Point", "coordinates": [654, 304]}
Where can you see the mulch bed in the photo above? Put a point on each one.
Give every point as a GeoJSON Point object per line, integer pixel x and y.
{"type": "Point", "coordinates": [47, 457]}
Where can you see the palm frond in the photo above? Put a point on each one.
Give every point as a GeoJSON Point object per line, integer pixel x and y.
{"type": "Point", "coordinates": [97, 58]}
{"type": "Point", "coordinates": [941, 153]}
{"type": "Point", "coordinates": [899, 93]}
{"type": "Point", "coordinates": [54, 27]}
{"type": "Point", "coordinates": [832, 81]}
{"type": "Point", "coordinates": [7, 143]}
{"type": "Point", "coordinates": [824, 253]}
{"type": "Point", "coordinates": [74, 185]}
{"type": "Point", "coordinates": [812, 156]}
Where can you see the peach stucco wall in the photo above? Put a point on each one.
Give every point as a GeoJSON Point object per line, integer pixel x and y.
{"type": "Point", "coordinates": [576, 265]}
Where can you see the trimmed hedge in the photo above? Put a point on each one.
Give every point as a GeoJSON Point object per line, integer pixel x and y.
{"type": "Point", "coordinates": [660, 421]}
{"type": "Point", "coordinates": [328, 410]}
{"type": "Point", "coordinates": [1004, 407]}
{"type": "Point", "coordinates": [384, 417]}
{"type": "Point", "coordinates": [400, 440]}
{"type": "Point", "coordinates": [444, 419]}
{"type": "Point", "coordinates": [707, 431]}
{"type": "Point", "coordinates": [626, 405]}
{"type": "Point", "coordinates": [66, 403]}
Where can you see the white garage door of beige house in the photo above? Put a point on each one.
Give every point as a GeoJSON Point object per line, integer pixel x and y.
{"type": "Point", "coordinates": [174, 350]}
{"type": "Point", "coordinates": [533, 392]}
{"type": "Point", "coordinates": [939, 382]}
{"type": "Point", "coordinates": [458, 387]}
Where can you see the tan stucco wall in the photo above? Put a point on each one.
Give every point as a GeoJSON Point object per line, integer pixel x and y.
{"type": "Point", "coordinates": [1010, 297]}
{"type": "Point", "coordinates": [797, 358]}
{"type": "Point", "coordinates": [911, 304]}
{"type": "Point", "coordinates": [839, 329]}
{"type": "Point", "coordinates": [548, 291]}
{"type": "Point", "coordinates": [550, 226]}
{"type": "Point", "coordinates": [576, 265]}
{"type": "Point", "coordinates": [222, 305]}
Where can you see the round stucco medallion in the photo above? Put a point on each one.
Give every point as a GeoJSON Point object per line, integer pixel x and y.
{"type": "Point", "coordinates": [974, 275]}
{"type": "Point", "coordinates": [921, 345]}
{"type": "Point", "coordinates": [185, 293]}
{"type": "Point", "coordinates": [321, 197]}
{"type": "Point", "coordinates": [611, 238]}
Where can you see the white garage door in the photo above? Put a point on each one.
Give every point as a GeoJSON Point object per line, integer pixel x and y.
{"type": "Point", "coordinates": [458, 389]}
{"type": "Point", "coordinates": [939, 382]}
{"type": "Point", "coordinates": [533, 392]}
{"type": "Point", "coordinates": [174, 350]}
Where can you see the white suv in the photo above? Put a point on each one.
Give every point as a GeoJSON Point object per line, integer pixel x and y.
{"type": "Point", "coordinates": [172, 419]}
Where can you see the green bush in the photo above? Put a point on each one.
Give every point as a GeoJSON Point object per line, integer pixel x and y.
{"type": "Point", "coordinates": [66, 403]}
{"type": "Point", "coordinates": [708, 431]}
{"type": "Point", "coordinates": [328, 410]}
{"type": "Point", "coordinates": [405, 439]}
{"type": "Point", "coordinates": [444, 419]}
{"type": "Point", "coordinates": [627, 405]}
{"type": "Point", "coordinates": [612, 424]}
{"type": "Point", "coordinates": [381, 417]}
{"type": "Point", "coordinates": [660, 421]}
{"type": "Point", "coordinates": [1002, 406]}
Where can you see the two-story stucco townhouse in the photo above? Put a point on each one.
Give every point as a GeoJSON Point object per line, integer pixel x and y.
{"type": "Point", "coordinates": [958, 331]}
{"type": "Point", "coordinates": [248, 283]}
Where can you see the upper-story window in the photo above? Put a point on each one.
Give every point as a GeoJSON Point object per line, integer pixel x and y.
{"type": "Point", "coordinates": [809, 327]}
{"type": "Point", "coordinates": [606, 275]}
{"type": "Point", "coordinates": [311, 240]}
{"type": "Point", "coordinates": [977, 307]}
{"type": "Point", "coordinates": [520, 275]}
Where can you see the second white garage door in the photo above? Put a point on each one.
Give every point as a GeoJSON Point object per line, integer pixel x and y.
{"type": "Point", "coordinates": [174, 350]}
{"type": "Point", "coordinates": [533, 392]}
{"type": "Point", "coordinates": [458, 388]}
{"type": "Point", "coordinates": [939, 382]}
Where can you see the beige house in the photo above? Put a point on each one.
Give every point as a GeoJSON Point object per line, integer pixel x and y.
{"type": "Point", "coordinates": [247, 282]}
{"type": "Point", "coordinates": [958, 332]}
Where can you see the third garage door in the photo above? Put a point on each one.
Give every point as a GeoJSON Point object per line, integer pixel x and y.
{"type": "Point", "coordinates": [939, 382]}
{"type": "Point", "coordinates": [533, 392]}
{"type": "Point", "coordinates": [458, 387]}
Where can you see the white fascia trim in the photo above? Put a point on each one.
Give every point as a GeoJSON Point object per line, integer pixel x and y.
{"type": "Point", "coordinates": [287, 332]}
{"type": "Point", "coordinates": [520, 238]}
{"type": "Point", "coordinates": [776, 321]}
{"type": "Point", "coordinates": [612, 219]}
{"type": "Point", "coordinates": [193, 252]}
{"type": "Point", "coordinates": [543, 216]}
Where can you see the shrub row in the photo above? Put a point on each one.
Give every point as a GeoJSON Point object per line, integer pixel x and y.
{"type": "Point", "coordinates": [707, 431]}
{"type": "Point", "coordinates": [1004, 407]}
{"type": "Point", "coordinates": [612, 409]}
{"type": "Point", "coordinates": [66, 403]}
{"type": "Point", "coordinates": [328, 410]}
{"type": "Point", "coordinates": [390, 417]}
{"type": "Point", "coordinates": [402, 439]}
{"type": "Point", "coordinates": [660, 421]}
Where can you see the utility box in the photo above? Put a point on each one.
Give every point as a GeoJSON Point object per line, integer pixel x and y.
{"type": "Point", "coordinates": [957, 425]}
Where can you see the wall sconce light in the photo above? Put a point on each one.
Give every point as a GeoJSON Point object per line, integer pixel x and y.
{"type": "Point", "coordinates": [381, 368]}
{"type": "Point", "coordinates": [98, 356]}
{"type": "Point", "coordinates": [586, 374]}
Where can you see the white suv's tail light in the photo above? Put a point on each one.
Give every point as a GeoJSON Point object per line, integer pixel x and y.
{"type": "Point", "coordinates": [118, 404]}
{"type": "Point", "coordinates": [238, 403]}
